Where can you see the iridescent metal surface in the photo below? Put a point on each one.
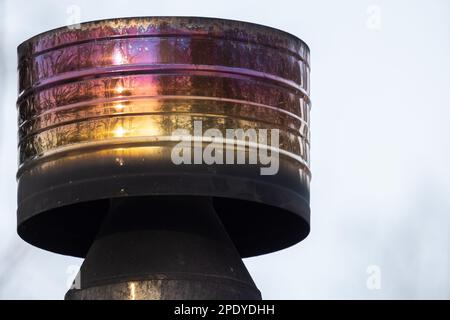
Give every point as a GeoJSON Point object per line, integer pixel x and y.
{"type": "Point", "coordinates": [98, 107]}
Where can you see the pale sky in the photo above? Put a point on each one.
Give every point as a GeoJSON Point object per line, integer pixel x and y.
{"type": "Point", "coordinates": [380, 87]}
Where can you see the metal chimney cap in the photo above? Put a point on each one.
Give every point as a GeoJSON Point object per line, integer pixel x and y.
{"type": "Point", "coordinates": [99, 104]}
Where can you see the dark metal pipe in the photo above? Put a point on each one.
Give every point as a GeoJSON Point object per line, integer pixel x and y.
{"type": "Point", "coordinates": [163, 248]}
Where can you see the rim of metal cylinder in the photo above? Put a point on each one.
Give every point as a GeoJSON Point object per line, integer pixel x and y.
{"type": "Point", "coordinates": [178, 25]}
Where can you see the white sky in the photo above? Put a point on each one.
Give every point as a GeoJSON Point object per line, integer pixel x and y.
{"type": "Point", "coordinates": [380, 145]}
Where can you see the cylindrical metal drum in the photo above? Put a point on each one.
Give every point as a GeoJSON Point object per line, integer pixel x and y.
{"type": "Point", "coordinates": [164, 106]}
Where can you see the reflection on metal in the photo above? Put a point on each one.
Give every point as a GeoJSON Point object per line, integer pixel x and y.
{"type": "Point", "coordinates": [98, 108]}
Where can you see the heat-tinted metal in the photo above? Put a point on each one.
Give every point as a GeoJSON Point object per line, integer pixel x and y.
{"type": "Point", "coordinates": [99, 104]}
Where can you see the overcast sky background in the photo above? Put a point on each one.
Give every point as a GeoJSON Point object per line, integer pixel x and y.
{"type": "Point", "coordinates": [380, 87]}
